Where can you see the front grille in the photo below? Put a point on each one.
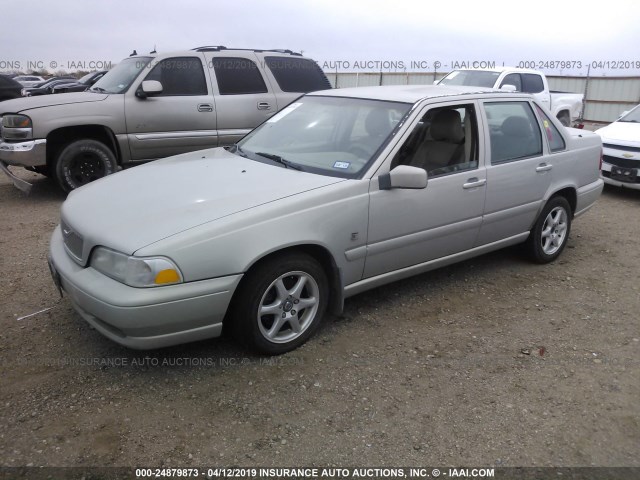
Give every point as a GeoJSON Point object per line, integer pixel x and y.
{"type": "Point", "coordinates": [621, 162]}
{"type": "Point", "coordinates": [621, 147]}
{"type": "Point", "coordinates": [72, 241]}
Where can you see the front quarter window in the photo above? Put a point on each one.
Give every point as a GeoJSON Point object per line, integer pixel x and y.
{"type": "Point", "coordinates": [334, 136]}
{"type": "Point", "coordinates": [120, 78]}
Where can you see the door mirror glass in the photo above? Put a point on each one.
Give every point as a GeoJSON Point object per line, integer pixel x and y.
{"type": "Point", "coordinates": [149, 88]}
{"type": "Point", "coordinates": [508, 88]}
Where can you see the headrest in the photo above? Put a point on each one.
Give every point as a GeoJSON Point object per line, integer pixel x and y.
{"type": "Point", "coordinates": [446, 126]}
{"type": "Point", "coordinates": [516, 127]}
{"type": "Point", "coordinates": [377, 122]}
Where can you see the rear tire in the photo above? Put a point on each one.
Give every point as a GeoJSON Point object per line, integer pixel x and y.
{"type": "Point", "coordinates": [551, 231]}
{"type": "Point", "coordinates": [82, 162]}
{"type": "Point", "coordinates": [564, 119]}
{"type": "Point", "coordinates": [280, 304]}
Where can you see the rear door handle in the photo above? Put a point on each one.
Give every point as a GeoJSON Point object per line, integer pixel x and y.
{"type": "Point", "coordinates": [474, 183]}
{"type": "Point", "coordinates": [264, 106]}
{"type": "Point", "coordinates": [205, 107]}
{"type": "Point", "coordinates": [544, 167]}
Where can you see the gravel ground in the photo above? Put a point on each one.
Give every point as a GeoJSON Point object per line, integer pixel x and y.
{"type": "Point", "coordinates": [492, 362]}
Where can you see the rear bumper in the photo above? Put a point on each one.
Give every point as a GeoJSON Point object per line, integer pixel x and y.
{"type": "Point", "coordinates": [587, 196]}
{"type": "Point", "coordinates": [143, 318]}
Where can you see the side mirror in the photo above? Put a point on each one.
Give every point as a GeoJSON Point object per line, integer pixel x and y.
{"type": "Point", "coordinates": [403, 176]}
{"type": "Point", "coordinates": [149, 88]}
{"type": "Point", "coordinates": [508, 88]}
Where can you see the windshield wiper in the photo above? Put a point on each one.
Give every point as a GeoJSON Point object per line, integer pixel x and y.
{"type": "Point", "coordinates": [280, 160]}
{"type": "Point", "coordinates": [98, 89]}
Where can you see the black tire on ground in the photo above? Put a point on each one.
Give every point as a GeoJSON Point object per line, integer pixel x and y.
{"type": "Point", "coordinates": [564, 119]}
{"type": "Point", "coordinates": [551, 231]}
{"type": "Point", "coordinates": [83, 161]}
{"type": "Point", "coordinates": [290, 315]}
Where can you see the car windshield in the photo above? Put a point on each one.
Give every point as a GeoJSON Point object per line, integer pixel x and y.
{"type": "Point", "coordinates": [87, 77]}
{"type": "Point", "coordinates": [471, 78]}
{"type": "Point", "coordinates": [633, 116]}
{"type": "Point", "coordinates": [334, 136]}
{"type": "Point", "coordinates": [120, 78]}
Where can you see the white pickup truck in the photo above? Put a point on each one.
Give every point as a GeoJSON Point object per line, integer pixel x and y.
{"type": "Point", "coordinates": [567, 107]}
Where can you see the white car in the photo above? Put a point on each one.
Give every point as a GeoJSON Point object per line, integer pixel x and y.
{"type": "Point", "coordinates": [28, 80]}
{"type": "Point", "coordinates": [621, 151]}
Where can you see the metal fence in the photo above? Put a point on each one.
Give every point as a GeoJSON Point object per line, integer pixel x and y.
{"type": "Point", "coordinates": [605, 97]}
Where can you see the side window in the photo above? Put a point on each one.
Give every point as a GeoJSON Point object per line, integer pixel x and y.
{"type": "Point", "coordinates": [297, 74]}
{"type": "Point", "coordinates": [444, 141]}
{"type": "Point", "coordinates": [532, 83]}
{"type": "Point", "coordinates": [238, 76]}
{"type": "Point", "coordinates": [179, 76]}
{"type": "Point", "coordinates": [556, 142]}
{"type": "Point", "coordinates": [513, 79]}
{"type": "Point", "coordinates": [513, 130]}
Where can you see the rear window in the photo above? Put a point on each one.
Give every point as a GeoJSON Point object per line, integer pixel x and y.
{"type": "Point", "coordinates": [297, 74]}
{"type": "Point", "coordinates": [532, 83]}
{"type": "Point", "coordinates": [238, 76]}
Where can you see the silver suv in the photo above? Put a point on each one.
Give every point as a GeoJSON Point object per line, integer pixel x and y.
{"type": "Point", "coordinates": [149, 107]}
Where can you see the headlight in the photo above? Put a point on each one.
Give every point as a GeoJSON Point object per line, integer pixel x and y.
{"type": "Point", "coordinates": [16, 127]}
{"type": "Point", "coordinates": [135, 271]}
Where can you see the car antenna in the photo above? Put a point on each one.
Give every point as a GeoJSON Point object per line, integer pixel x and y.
{"type": "Point", "coordinates": [154, 50]}
{"type": "Point", "coordinates": [133, 54]}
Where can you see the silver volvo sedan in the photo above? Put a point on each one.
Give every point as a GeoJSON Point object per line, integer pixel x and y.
{"type": "Point", "coordinates": [340, 192]}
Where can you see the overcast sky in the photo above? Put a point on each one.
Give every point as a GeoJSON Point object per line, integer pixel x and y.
{"type": "Point", "coordinates": [331, 31]}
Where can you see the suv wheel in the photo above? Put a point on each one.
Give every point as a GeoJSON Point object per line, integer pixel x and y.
{"type": "Point", "coordinates": [551, 231]}
{"type": "Point", "coordinates": [280, 304]}
{"type": "Point", "coordinates": [82, 162]}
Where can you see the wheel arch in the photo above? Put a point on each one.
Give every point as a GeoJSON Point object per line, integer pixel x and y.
{"type": "Point", "coordinates": [57, 139]}
{"type": "Point", "coordinates": [326, 260]}
{"type": "Point", "coordinates": [570, 194]}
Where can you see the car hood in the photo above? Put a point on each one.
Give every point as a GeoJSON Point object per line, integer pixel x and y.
{"type": "Point", "coordinates": [134, 208]}
{"type": "Point", "coordinates": [622, 133]}
{"type": "Point", "coordinates": [29, 103]}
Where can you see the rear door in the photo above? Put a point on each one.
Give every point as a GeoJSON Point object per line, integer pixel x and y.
{"type": "Point", "coordinates": [180, 119]}
{"type": "Point", "coordinates": [518, 173]}
{"type": "Point", "coordinates": [243, 97]}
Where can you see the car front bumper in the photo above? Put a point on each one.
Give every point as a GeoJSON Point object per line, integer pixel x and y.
{"type": "Point", "coordinates": [142, 318]}
{"type": "Point", "coordinates": [621, 166]}
{"type": "Point", "coordinates": [32, 153]}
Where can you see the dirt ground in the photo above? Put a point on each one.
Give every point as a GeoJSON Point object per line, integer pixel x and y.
{"type": "Point", "coordinates": [491, 362]}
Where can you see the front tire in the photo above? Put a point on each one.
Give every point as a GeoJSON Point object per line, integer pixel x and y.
{"type": "Point", "coordinates": [82, 162]}
{"type": "Point", "coordinates": [551, 231]}
{"type": "Point", "coordinates": [280, 304]}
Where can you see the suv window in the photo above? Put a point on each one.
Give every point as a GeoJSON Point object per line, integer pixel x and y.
{"type": "Point", "coordinates": [513, 79]}
{"type": "Point", "coordinates": [532, 83]}
{"type": "Point", "coordinates": [179, 76]}
{"type": "Point", "coordinates": [443, 142]}
{"type": "Point", "coordinates": [238, 76]}
{"type": "Point", "coordinates": [513, 131]}
{"type": "Point", "coordinates": [297, 74]}
{"type": "Point", "coordinates": [556, 142]}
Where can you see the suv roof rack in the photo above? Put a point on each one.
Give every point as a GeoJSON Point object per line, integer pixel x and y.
{"type": "Point", "coordinates": [211, 48]}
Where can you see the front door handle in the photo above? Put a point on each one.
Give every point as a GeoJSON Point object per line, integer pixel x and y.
{"type": "Point", "coordinates": [544, 167]}
{"type": "Point", "coordinates": [205, 107]}
{"type": "Point", "coordinates": [264, 106]}
{"type": "Point", "coordinates": [474, 183]}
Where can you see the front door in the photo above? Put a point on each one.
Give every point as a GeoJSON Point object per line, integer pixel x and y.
{"type": "Point", "coordinates": [408, 227]}
{"type": "Point", "coordinates": [180, 119]}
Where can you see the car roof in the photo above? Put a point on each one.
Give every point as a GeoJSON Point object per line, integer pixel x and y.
{"type": "Point", "coordinates": [497, 70]}
{"type": "Point", "coordinates": [404, 93]}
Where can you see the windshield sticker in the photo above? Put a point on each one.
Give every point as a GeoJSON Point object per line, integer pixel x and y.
{"type": "Point", "coordinates": [343, 165]}
{"type": "Point", "coordinates": [284, 113]}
